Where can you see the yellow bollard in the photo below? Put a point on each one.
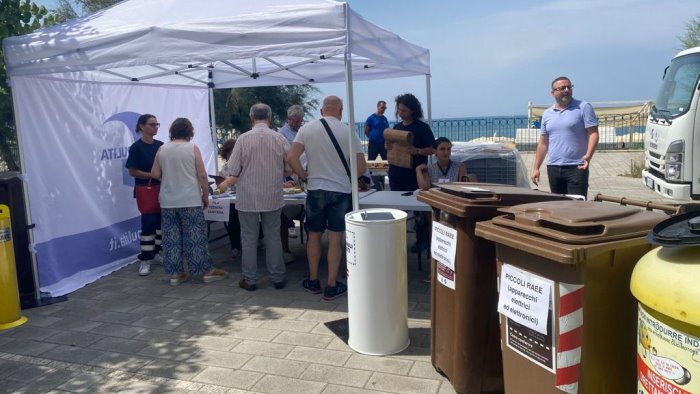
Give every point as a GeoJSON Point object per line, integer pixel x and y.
{"type": "Point", "coordinates": [10, 315]}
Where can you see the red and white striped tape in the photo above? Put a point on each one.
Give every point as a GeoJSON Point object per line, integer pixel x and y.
{"type": "Point", "coordinates": [570, 337]}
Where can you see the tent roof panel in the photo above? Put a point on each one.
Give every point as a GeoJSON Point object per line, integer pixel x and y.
{"type": "Point", "coordinates": [275, 41]}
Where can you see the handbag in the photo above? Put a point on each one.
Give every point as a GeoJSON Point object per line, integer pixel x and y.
{"type": "Point", "coordinates": [147, 197]}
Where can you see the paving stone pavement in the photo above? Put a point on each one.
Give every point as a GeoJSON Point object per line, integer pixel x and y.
{"type": "Point", "coordinates": [131, 334]}
{"type": "Point", "coordinates": [126, 333]}
{"type": "Point", "coordinates": [608, 176]}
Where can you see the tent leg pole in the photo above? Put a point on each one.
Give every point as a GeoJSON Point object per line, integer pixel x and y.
{"type": "Point", "coordinates": [27, 209]}
{"type": "Point", "coordinates": [429, 106]}
{"type": "Point", "coordinates": [429, 100]}
{"type": "Point", "coordinates": [212, 121]}
{"type": "Point", "coordinates": [351, 110]}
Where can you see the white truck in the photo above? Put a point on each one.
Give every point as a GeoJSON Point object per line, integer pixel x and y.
{"type": "Point", "coordinates": [672, 136]}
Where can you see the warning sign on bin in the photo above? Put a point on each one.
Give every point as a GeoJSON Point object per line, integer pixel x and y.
{"type": "Point", "coordinates": [525, 298]}
{"type": "Point", "coordinates": [350, 248]}
{"type": "Point", "coordinates": [537, 347]}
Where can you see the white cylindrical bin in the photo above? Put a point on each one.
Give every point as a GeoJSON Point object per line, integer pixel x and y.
{"type": "Point", "coordinates": [377, 281]}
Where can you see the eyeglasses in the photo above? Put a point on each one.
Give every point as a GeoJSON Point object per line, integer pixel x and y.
{"type": "Point", "coordinates": [563, 88]}
{"type": "Point", "coordinates": [153, 124]}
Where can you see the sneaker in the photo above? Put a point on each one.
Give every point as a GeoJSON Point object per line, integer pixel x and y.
{"type": "Point", "coordinates": [179, 278]}
{"type": "Point", "coordinates": [214, 275]}
{"type": "Point", "coordinates": [293, 232]}
{"type": "Point", "coordinates": [288, 258]}
{"type": "Point", "coordinates": [145, 267]}
{"type": "Point", "coordinates": [331, 293]}
{"type": "Point", "coordinates": [312, 286]}
{"type": "Point", "coordinates": [157, 259]}
{"type": "Point", "coordinates": [279, 285]}
{"type": "Point", "coordinates": [243, 284]}
{"type": "Point", "coordinates": [235, 254]}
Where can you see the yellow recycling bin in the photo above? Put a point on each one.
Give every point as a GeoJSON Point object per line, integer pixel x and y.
{"type": "Point", "coordinates": [10, 315]}
{"type": "Point", "coordinates": [665, 282]}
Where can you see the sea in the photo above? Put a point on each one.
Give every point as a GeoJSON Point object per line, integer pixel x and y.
{"type": "Point", "coordinates": [615, 132]}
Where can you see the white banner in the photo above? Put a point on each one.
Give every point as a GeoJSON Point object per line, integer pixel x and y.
{"type": "Point", "coordinates": [76, 138]}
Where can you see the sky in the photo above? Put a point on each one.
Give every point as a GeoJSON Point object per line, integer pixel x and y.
{"type": "Point", "coordinates": [491, 58]}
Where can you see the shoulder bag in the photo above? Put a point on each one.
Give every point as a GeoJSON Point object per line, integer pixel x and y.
{"type": "Point", "coordinates": [147, 197]}
{"type": "Point", "coordinates": [362, 181]}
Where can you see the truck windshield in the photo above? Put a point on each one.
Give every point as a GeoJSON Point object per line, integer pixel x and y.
{"type": "Point", "coordinates": [678, 86]}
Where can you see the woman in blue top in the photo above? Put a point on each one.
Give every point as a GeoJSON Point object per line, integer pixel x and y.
{"type": "Point", "coordinates": [141, 155]}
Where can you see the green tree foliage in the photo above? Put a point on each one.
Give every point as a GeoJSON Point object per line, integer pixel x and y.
{"type": "Point", "coordinates": [69, 9]}
{"type": "Point", "coordinates": [233, 105]}
{"type": "Point", "coordinates": [17, 17]}
{"type": "Point", "coordinates": [691, 39]}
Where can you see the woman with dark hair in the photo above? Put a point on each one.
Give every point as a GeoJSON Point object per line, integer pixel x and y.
{"type": "Point", "coordinates": [141, 155]}
{"type": "Point", "coordinates": [443, 170]}
{"type": "Point", "coordinates": [184, 192]}
{"type": "Point", "coordinates": [409, 110]}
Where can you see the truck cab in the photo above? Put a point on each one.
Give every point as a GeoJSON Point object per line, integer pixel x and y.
{"type": "Point", "coordinates": [672, 135]}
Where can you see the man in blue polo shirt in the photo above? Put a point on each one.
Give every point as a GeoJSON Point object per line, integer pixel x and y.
{"type": "Point", "coordinates": [569, 132]}
{"type": "Point", "coordinates": [374, 130]}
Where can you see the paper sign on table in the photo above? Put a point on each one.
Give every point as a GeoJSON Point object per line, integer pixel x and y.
{"type": "Point", "coordinates": [218, 210]}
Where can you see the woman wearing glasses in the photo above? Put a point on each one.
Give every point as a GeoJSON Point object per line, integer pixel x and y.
{"type": "Point", "coordinates": [139, 163]}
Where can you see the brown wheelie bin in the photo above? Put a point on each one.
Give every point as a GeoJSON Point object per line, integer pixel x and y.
{"type": "Point", "coordinates": [566, 265]}
{"type": "Point", "coordinates": [464, 338]}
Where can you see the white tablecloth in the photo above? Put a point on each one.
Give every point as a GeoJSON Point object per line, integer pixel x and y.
{"type": "Point", "coordinates": [393, 199]}
{"type": "Point", "coordinates": [219, 205]}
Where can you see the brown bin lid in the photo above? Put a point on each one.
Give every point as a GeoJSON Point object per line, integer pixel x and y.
{"type": "Point", "coordinates": [465, 198]}
{"type": "Point", "coordinates": [579, 222]}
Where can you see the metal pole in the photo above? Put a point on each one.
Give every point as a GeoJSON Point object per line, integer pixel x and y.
{"type": "Point", "coordinates": [351, 109]}
{"type": "Point", "coordinates": [429, 106]}
{"type": "Point", "coordinates": [212, 117]}
{"type": "Point", "coordinates": [27, 209]}
{"type": "Point", "coordinates": [429, 102]}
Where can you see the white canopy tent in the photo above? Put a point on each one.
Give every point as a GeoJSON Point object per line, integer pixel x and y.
{"type": "Point", "coordinates": [213, 44]}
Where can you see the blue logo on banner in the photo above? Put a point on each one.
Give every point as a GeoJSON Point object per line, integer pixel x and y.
{"type": "Point", "coordinates": [129, 119]}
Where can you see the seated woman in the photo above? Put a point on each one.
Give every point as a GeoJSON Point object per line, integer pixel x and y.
{"type": "Point", "coordinates": [444, 170]}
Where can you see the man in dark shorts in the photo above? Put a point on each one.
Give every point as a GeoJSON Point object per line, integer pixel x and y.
{"type": "Point", "coordinates": [329, 190]}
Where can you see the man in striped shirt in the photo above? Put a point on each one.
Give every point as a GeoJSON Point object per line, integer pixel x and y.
{"type": "Point", "coordinates": [257, 166]}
